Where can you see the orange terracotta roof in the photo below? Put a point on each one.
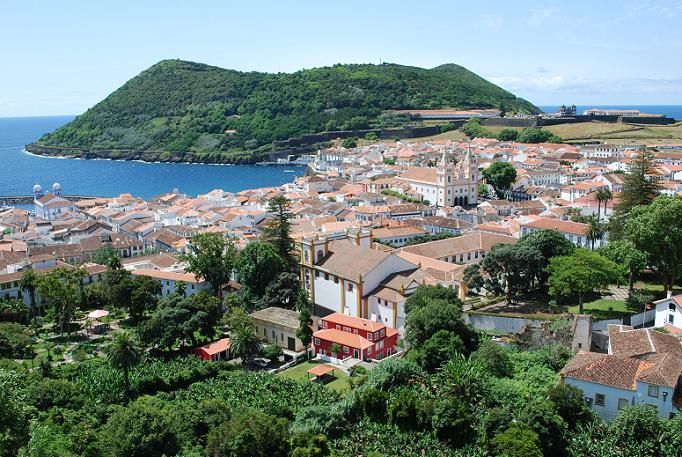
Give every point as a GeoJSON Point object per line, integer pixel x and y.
{"type": "Point", "coordinates": [216, 347]}
{"type": "Point", "coordinates": [354, 322]}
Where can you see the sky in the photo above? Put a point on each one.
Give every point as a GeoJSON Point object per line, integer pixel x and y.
{"type": "Point", "coordinates": [63, 57]}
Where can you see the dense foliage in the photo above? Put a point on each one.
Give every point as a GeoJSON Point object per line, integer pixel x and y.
{"type": "Point", "coordinates": [198, 112]}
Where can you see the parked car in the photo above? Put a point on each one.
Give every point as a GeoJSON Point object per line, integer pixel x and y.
{"type": "Point", "coordinates": [260, 361]}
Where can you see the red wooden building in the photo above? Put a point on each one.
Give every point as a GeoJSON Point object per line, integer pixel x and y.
{"type": "Point", "coordinates": [218, 350]}
{"type": "Point", "coordinates": [355, 337]}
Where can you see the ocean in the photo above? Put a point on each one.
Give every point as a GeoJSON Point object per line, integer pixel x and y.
{"type": "Point", "coordinates": [674, 111]}
{"type": "Point", "coordinates": [20, 171]}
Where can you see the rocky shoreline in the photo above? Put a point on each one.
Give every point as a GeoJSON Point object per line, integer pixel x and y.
{"type": "Point", "coordinates": [154, 156]}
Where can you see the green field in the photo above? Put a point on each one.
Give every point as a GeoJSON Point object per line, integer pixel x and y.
{"type": "Point", "coordinates": [300, 373]}
{"type": "Point", "coordinates": [604, 308]}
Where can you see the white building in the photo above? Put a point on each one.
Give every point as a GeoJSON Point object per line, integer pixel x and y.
{"type": "Point", "coordinates": [51, 207]}
{"type": "Point", "coordinates": [575, 232]}
{"type": "Point", "coordinates": [669, 312]}
{"type": "Point", "coordinates": [339, 274]}
{"type": "Point", "coordinates": [642, 367]}
{"type": "Point", "coordinates": [169, 281]}
{"type": "Point", "coordinates": [447, 184]}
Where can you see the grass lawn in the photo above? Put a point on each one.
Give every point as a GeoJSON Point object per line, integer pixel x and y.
{"type": "Point", "coordinates": [300, 373]}
{"type": "Point", "coordinates": [604, 308]}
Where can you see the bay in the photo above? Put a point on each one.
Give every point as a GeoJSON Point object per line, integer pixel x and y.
{"type": "Point", "coordinates": [20, 171]}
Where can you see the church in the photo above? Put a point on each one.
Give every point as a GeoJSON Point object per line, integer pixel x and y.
{"type": "Point", "coordinates": [447, 184]}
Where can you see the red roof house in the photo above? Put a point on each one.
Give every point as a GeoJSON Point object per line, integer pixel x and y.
{"type": "Point", "coordinates": [343, 336]}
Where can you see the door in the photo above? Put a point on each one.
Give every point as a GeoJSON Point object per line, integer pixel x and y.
{"type": "Point", "coordinates": [356, 353]}
{"type": "Point", "coordinates": [291, 343]}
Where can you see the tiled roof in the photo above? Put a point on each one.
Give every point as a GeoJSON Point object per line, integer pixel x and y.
{"type": "Point", "coordinates": [605, 369]}
{"type": "Point", "coordinates": [479, 241]}
{"type": "Point", "coordinates": [354, 322]}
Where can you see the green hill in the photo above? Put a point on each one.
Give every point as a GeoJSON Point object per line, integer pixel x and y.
{"type": "Point", "coordinates": [179, 110]}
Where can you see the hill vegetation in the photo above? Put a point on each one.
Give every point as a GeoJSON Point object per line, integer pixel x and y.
{"type": "Point", "coordinates": [178, 110]}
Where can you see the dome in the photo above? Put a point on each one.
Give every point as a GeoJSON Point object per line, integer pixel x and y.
{"type": "Point", "coordinates": [56, 187]}
{"type": "Point", "coordinates": [37, 188]}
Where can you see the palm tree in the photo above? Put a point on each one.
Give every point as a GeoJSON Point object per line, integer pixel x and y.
{"type": "Point", "coordinates": [123, 354]}
{"type": "Point", "coordinates": [244, 342]}
{"type": "Point", "coordinates": [603, 196]}
{"type": "Point", "coordinates": [594, 231]}
{"type": "Point", "coordinates": [29, 283]}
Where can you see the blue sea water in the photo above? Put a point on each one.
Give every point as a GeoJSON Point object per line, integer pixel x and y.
{"type": "Point", "coordinates": [19, 171]}
{"type": "Point", "coordinates": [674, 111]}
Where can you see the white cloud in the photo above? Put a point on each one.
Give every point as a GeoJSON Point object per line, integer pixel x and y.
{"type": "Point", "coordinates": [542, 16]}
{"type": "Point", "coordinates": [541, 88]}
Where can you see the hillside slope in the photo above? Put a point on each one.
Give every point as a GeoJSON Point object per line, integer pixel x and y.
{"type": "Point", "coordinates": [178, 109]}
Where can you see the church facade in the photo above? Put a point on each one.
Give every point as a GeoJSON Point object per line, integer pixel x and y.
{"type": "Point", "coordinates": [447, 184]}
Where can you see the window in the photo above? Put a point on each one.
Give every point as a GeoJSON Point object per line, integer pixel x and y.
{"type": "Point", "coordinates": [369, 336]}
{"type": "Point", "coordinates": [336, 279]}
{"type": "Point", "coordinates": [265, 332]}
{"type": "Point", "coordinates": [350, 287]}
{"type": "Point", "coordinates": [326, 276]}
{"type": "Point", "coordinates": [671, 318]}
{"type": "Point", "coordinates": [383, 332]}
{"type": "Point", "coordinates": [376, 335]}
{"type": "Point", "coordinates": [623, 403]}
{"type": "Point", "coordinates": [653, 391]}
{"type": "Point", "coordinates": [317, 341]}
{"type": "Point", "coordinates": [338, 327]}
{"type": "Point", "coordinates": [273, 335]}
{"type": "Point", "coordinates": [345, 349]}
{"type": "Point", "coordinates": [369, 350]}
{"type": "Point", "coordinates": [324, 324]}
{"type": "Point", "coordinates": [599, 399]}
{"type": "Point", "coordinates": [355, 331]}
{"type": "Point", "coordinates": [346, 329]}
{"type": "Point", "coordinates": [317, 274]}
{"type": "Point", "coordinates": [671, 307]}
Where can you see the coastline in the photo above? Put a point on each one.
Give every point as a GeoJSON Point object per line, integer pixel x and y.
{"type": "Point", "coordinates": [148, 156]}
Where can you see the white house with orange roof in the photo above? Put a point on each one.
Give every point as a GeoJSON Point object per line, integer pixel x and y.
{"type": "Point", "coordinates": [170, 279]}
{"type": "Point", "coordinates": [575, 232]}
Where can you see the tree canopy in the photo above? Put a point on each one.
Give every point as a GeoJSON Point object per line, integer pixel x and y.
{"type": "Point", "coordinates": [501, 175]}
{"type": "Point", "coordinates": [212, 256]}
{"type": "Point", "coordinates": [579, 273]}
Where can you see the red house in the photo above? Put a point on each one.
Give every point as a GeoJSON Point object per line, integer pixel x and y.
{"type": "Point", "coordinates": [218, 350]}
{"type": "Point", "coordinates": [355, 337]}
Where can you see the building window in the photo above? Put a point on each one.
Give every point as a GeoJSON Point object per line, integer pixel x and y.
{"type": "Point", "coordinates": [317, 341]}
{"type": "Point", "coordinates": [383, 332]}
{"type": "Point", "coordinates": [345, 349]}
{"type": "Point", "coordinates": [346, 329]}
{"type": "Point", "coordinates": [336, 279]}
{"type": "Point", "coordinates": [599, 399]}
{"type": "Point", "coordinates": [369, 336]}
{"type": "Point", "coordinates": [623, 403]}
{"type": "Point", "coordinates": [317, 274]}
{"type": "Point", "coordinates": [653, 391]}
{"type": "Point", "coordinates": [671, 318]}
{"type": "Point", "coordinates": [350, 287]}
{"type": "Point", "coordinates": [265, 332]}
{"type": "Point", "coordinates": [324, 324]}
{"type": "Point", "coordinates": [326, 276]}
{"type": "Point", "coordinates": [369, 350]}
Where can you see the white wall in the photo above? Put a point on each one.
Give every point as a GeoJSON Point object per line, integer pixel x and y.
{"type": "Point", "coordinates": [663, 315]}
{"type": "Point", "coordinates": [327, 293]}
{"type": "Point", "coordinates": [610, 409]}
